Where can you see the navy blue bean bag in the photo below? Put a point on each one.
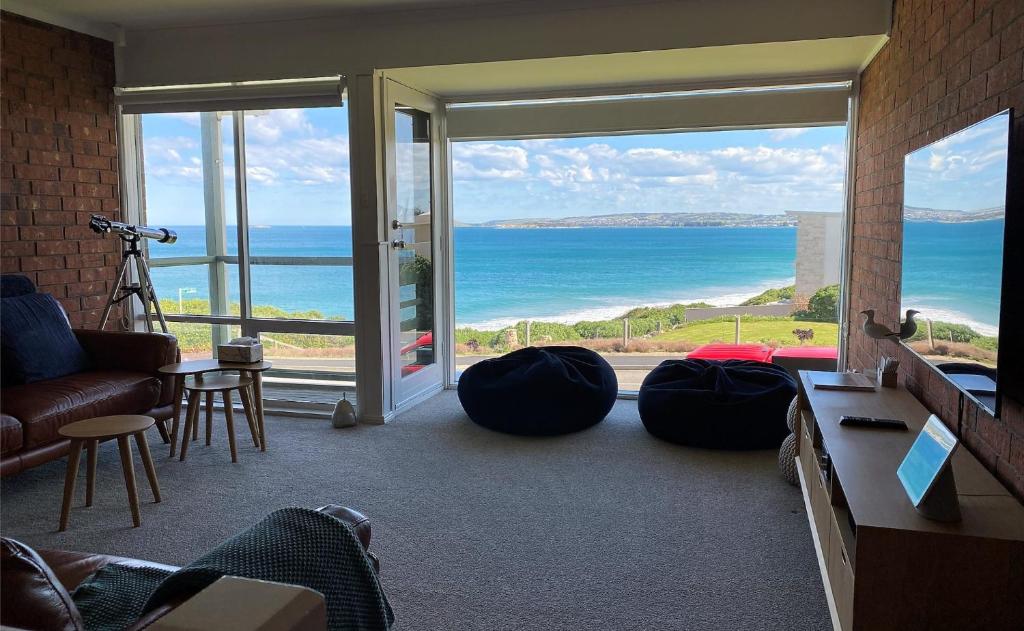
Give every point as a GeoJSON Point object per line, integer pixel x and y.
{"type": "Point", "coordinates": [539, 391]}
{"type": "Point", "coordinates": [731, 404]}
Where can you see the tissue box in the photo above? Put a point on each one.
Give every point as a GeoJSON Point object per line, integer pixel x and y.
{"type": "Point", "coordinates": [240, 353]}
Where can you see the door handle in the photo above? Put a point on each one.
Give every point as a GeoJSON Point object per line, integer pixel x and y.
{"type": "Point", "coordinates": [396, 224]}
{"type": "Point", "coordinates": [398, 244]}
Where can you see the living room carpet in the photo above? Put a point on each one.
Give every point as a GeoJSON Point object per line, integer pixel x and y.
{"type": "Point", "coordinates": [609, 528]}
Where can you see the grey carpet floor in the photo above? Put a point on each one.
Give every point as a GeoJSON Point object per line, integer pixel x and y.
{"type": "Point", "coordinates": [608, 528]}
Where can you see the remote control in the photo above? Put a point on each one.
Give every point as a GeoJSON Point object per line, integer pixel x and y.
{"type": "Point", "coordinates": [870, 421]}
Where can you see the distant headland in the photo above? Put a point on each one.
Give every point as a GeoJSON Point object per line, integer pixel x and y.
{"type": "Point", "coordinates": [914, 213]}
{"type": "Point", "coordinates": [647, 220]}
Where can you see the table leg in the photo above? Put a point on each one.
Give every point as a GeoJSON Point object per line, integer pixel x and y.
{"type": "Point", "coordinates": [128, 467]}
{"type": "Point", "coordinates": [162, 428]}
{"type": "Point", "coordinates": [147, 462]}
{"type": "Point", "coordinates": [245, 394]}
{"type": "Point", "coordinates": [191, 418]}
{"type": "Point", "coordinates": [179, 392]}
{"type": "Point", "coordinates": [257, 386]}
{"type": "Point", "coordinates": [229, 416]}
{"type": "Point", "coordinates": [90, 471]}
{"type": "Point", "coordinates": [209, 418]}
{"type": "Point", "coordinates": [69, 482]}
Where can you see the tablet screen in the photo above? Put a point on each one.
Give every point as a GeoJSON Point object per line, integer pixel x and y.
{"type": "Point", "coordinates": [927, 456]}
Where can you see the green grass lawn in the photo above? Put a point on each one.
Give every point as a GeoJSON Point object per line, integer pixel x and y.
{"type": "Point", "coordinates": [758, 331]}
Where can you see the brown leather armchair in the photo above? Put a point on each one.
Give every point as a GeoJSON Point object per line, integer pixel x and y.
{"type": "Point", "coordinates": [35, 586]}
{"type": "Point", "coordinates": [124, 379]}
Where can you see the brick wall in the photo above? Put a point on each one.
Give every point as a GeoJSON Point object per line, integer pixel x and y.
{"type": "Point", "coordinates": [59, 162]}
{"type": "Point", "coordinates": [949, 64]}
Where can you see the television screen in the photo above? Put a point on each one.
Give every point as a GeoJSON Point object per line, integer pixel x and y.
{"type": "Point", "coordinates": [954, 216]}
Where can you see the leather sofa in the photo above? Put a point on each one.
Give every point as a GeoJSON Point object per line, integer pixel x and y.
{"type": "Point", "coordinates": [124, 379]}
{"type": "Point", "coordinates": [35, 586]}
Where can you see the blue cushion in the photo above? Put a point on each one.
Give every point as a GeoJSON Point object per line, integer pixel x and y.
{"type": "Point", "coordinates": [539, 391]}
{"type": "Point", "coordinates": [37, 341]}
{"type": "Point", "coordinates": [15, 285]}
{"type": "Point", "coordinates": [731, 404]}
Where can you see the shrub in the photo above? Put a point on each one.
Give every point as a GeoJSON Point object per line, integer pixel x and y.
{"type": "Point", "coordinates": [771, 295]}
{"type": "Point", "coordinates": [822, 307]}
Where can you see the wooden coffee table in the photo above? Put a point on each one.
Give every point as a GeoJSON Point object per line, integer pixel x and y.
{"type": "Point", "coordinates": [181, 370]}
{"type": "Point", "coordinates": [90, 432]}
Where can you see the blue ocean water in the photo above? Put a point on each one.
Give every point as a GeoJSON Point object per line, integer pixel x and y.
{"type": "Point", "coordinates": [953, 271]}
{"type": "Point", "coordinates": [504, 275]}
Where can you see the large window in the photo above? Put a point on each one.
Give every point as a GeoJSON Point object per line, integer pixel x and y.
{"type": "Point", "coordinates": [650, 247]}
{"type": "Point", "coordinates": [260, 201]}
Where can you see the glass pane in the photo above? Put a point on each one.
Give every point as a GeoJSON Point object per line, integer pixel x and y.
{"type": "Point", "coordinates": [300, 216]}
{"type": "Point", "coordinates": [413, 206]}
{"type": "Point", "coordinates": [188, 171]}
{"type": "Point", "coordinates": [195, 339]}
{"type": "Point", "coordinates": [647, 247]}
{"type": "Point", "coordinates": [309, 367]}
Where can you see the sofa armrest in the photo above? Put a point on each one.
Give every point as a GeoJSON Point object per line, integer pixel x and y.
{"type": "Point", "coordinates": [142, 352]}
{"type": "Point", "coordinates": [125, 350]}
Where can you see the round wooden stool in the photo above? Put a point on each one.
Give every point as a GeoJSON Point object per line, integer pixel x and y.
{"type": "Point", "coordinates": [210, 385]}
{"type": "Point", "coordinates": [91, 432]}
{"type": "Point", "coordinates": [179, 371]}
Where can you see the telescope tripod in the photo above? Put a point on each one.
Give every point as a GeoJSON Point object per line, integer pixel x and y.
{"type": "Point", "coordinates": [143, 289]}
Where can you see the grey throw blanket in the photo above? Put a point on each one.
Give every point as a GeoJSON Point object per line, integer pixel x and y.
{"type": "Point", "coordinates": [298, 546]}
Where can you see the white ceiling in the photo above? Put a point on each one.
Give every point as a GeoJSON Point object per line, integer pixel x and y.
{"type": "Point", "coordinates": [812, 59]}
{"type": "Point", "coordinates": [496, 48]}
{"type": "Point", "coordinates": [150, 14]}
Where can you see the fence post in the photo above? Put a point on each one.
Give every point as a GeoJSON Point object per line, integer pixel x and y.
{"type": "Point", "coordinates": [931, 340]}
{"type": "Point", "coordinates": [625, 332]}
{"type": "Point", "coordinates": [737, 330]}
{"type": "Point", "coordinates": [528, 333]}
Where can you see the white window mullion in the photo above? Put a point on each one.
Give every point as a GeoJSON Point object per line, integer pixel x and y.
{"type": "Point", "coordinates": [242, 204]}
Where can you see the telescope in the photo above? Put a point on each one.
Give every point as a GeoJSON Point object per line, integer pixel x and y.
{"type": "Point", "coordinates": [125, 286]}
{"type": "Point", "coordinates": [128, 232]}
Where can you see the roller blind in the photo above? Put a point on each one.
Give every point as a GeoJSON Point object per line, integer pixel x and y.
{"type": "Point", "coordinates": [775, 107]}
{"type": "Point", "coordinates": [317, 92]}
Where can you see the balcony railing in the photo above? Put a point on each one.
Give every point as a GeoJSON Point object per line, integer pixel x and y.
{"type": "Point", "coordinates": [278, 325]}
{"type": "Point", "coordinates": [294, 371]}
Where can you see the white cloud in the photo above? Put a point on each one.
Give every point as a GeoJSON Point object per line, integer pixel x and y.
{"type": "Point", "coordinates": [563, 178]}
{"type": "Point", "coordinates": [263, 175]}
{"type": "Point", "coordinates": [270, 125]}
{"type": "Point", "coordinates": [780, 135]}
{"type": "Point", "coordinates": [487, 161]}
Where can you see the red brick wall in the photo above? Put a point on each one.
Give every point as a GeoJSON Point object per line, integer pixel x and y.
{"type": "Point", "coordinates": [59, 162]}
{"type": "Point", "coordinates": [949, 64]}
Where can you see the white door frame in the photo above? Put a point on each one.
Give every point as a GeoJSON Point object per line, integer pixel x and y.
{"type": "Point", "coordinates": [408, 390]}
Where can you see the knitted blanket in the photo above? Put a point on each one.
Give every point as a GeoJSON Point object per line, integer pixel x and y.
{"type": "Point", "coordinates": [298, 546]}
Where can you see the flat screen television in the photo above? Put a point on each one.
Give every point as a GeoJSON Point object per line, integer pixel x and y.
{"type": "Point", "coordinates": [961, 255]}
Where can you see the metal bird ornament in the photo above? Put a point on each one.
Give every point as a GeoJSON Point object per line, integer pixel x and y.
{"type": "Point", "coordinates": [909, 326]}
{"type": "Point", "coordinates": [875, 330]}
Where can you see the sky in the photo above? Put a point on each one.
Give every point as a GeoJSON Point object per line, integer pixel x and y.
{"type": "Point", "coordinates": [297, 170]}
{"type": "Point", "coordinates": [964, 171]}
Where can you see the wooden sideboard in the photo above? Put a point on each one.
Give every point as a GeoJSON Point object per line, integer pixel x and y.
{"type": "Point", "coordinates": [884, 566]}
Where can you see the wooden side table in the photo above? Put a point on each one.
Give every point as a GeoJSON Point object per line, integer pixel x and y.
{"type": "Point", "coordinates": [210, 385]}
{"type": "Point", "coordinates": [184, 369]}
{"type": "Point", "coordinates": [90, 432]}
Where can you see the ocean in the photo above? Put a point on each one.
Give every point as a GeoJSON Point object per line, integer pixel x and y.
{"type": "Point", "coordinates": [558, 275]}
{"type": "Point", "coordinates": [952, 272]}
